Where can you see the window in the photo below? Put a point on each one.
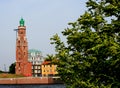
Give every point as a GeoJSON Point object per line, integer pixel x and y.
{"type": "Point", "coordinates": [38, 71]}
{"type": "Point", "coordinates": [18, 41]}
{"type": "Point", "coordinates": [35, 71]}
{"type": "Point", "coordinates": [38, 67]}
{"type": "Point", "coordinates": [35, 67]}
{"type": "Point", "coordinates": [21, 32]}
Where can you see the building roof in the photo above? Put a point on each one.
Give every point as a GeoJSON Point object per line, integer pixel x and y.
{"type": "Point", "coordinates": [34, 51]}
{"type": "Point", "coordinates": [46, 62]}
{"type": "Point", "coordinates": [22, 22]}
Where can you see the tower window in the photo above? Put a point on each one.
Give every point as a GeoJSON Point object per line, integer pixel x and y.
{"type": "Point", "coordinates": [21, 33]}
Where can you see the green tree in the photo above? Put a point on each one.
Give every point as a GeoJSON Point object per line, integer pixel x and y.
{"type": "Point", "coordinates": [12, 68]}
{"type": "Point", "coordinates": [91, 55]}
{"type": "Point", "coordinates": [1, 71]}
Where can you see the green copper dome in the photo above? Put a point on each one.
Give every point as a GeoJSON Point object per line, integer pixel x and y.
{"type": "Point", "coordinates": [22, 22]}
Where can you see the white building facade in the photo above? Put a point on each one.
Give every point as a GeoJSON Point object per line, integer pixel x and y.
{"type": "Point", "coordinates": [36, 58]}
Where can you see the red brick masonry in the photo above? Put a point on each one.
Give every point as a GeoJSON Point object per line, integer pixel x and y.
{"type": "Point", "coordinates": [30, 80]}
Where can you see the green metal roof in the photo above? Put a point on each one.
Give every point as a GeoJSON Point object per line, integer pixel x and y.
{"type": "Point", "coordinates": [22, 22]}
{"type": "Point", "coordinates": [34, 51]}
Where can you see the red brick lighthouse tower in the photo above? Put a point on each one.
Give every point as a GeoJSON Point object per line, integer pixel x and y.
{"type": "Point", "coordinates": [23, 67]}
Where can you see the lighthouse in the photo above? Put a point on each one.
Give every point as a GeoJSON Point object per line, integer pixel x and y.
{"type": "Point", "coordinates": [23, 66]}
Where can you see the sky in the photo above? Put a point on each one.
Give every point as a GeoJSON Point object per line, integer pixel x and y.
{"type": "Point", "coordinates": [43, 19]}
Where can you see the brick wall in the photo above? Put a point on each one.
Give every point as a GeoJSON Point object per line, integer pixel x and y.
{"type": "Point", "coordinates": [29, 80]}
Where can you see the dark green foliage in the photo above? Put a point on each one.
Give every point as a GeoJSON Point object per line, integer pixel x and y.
{"type": "Point", "coordinates": [1, 71]}
{"type": "Point", "coordinates": [91, 56]}
{"type": "Point", "coordinates": [12, 68]}
{"type": "Point", "coordinates": [49, 58]}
